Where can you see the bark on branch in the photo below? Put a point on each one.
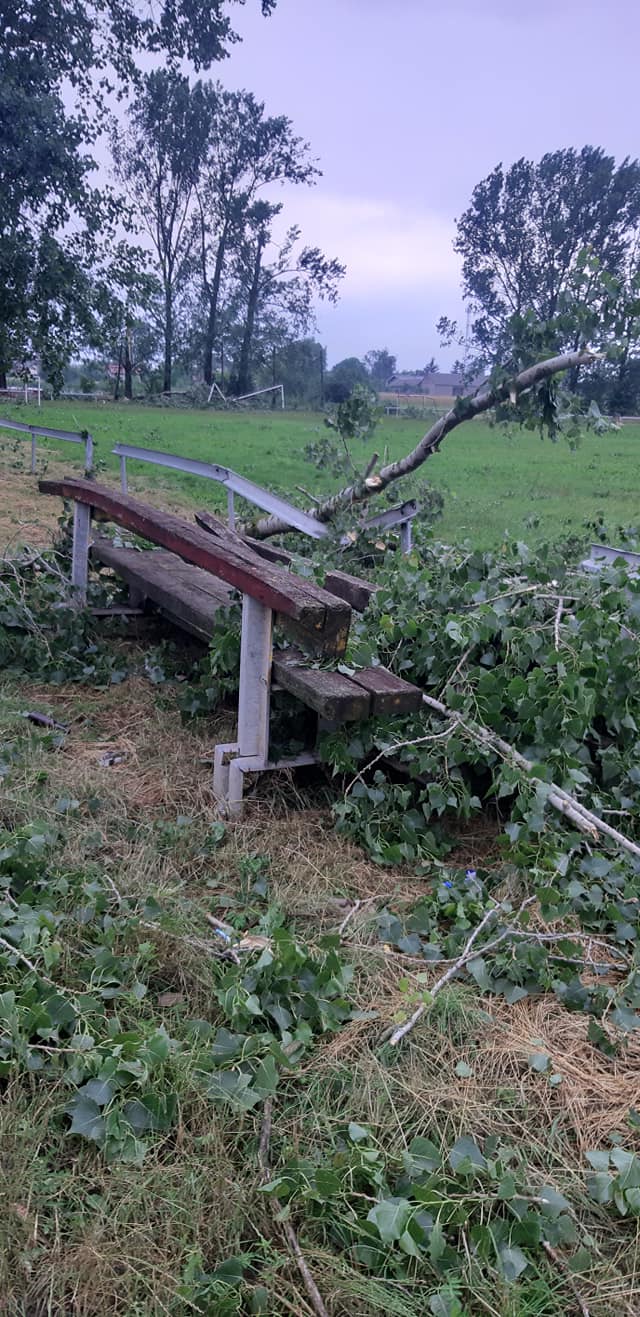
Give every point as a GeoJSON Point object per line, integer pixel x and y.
{"type": "Point", "coordinates": [464, 410]}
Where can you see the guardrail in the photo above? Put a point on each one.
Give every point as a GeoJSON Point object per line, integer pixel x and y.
{"type": "Point", "coordinates": [234, 484]}
{"type": "Point", "coordinates": [401, 516]}
{"type": "Point", "coordinates": [34, 430]}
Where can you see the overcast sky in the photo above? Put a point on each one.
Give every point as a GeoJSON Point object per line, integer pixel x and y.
{"type": "Point", "coordinates": [409, 103]}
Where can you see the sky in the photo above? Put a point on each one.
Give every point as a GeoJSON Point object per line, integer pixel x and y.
{"type": "Point", "coordinates": [407, 104]}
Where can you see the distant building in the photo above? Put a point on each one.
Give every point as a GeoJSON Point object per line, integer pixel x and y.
{"type": "Point", "coordinates": [436, 385]}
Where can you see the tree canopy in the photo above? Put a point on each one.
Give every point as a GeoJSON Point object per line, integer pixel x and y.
{"type": "Point", "coordinates": [522, 234]}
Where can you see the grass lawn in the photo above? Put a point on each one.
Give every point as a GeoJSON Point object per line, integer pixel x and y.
{"type": "Point", "coordinates": [494, 482]}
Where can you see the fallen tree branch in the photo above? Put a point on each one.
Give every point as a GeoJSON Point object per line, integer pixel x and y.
{"type": "Point", "coordinates": [465, 409]}
{"type": "Point", "coordinates": [315, 1297]}
{"type": "Point", "coordinates": [466, 955]}
{"type": "Point", "coordinates": [584, 819]}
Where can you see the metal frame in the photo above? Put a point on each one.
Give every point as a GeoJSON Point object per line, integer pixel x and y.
{"type": "Point", "coordinates": [235, 484]}
{"type": "Point", "coordinates": [401, 516]}
{"type": "Point", "coordinates": [46, 432]}
{"type": "Point", "coordinates": [601, 554]}
{"type": "Point", "coordinates": [250, 753]}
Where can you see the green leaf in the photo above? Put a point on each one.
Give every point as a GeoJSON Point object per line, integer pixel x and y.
{"type": "Point", "coordinates": [512, 1262]}
{"type": "Point", "coordinates": [553, 1203]}
{"type": "Point", "coordinates": [463, 1070]}
{"type": "Point", "coordinates": [358, 1133]}
{"type": "Point", "coordinates": [86, 1118]}
{"type": "Point", "coordinates": [599, 1160]}
{"type": "Point", "coordinates": [99, 1091]}
{"type": "Point", "coordinates": [423, 1155]}
{"type": "Point", "coordinates": [539, 1061]}
{"type": "Point", "coordinates": [465, 1150]}
{"type": "Point", "coordinates": [390, 1217]}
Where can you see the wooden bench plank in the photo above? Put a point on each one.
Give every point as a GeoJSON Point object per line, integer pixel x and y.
{"type": "Point", "coordinates": [357, 592]}
{"type": "Point", "coordinates": [389, 694]}
{"type": "Point", "coordinates": [158, 576]}
{"type": "Point", "coordinates": [319, 616]}
{"type": "Point", "coordinates": [332, 695]}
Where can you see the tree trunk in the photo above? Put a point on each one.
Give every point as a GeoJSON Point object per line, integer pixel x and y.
{"type": "Point", "coordinates": [116, 391]}
{"type": "Point", "coordinates": [212, 319]}
{"type": "Point", "coordinates": [168, 338]}
{"type": "Point", "coordinates": [367, 486]}
{"type": "Point", "coordinates": [3, 379]}
{"type": "Point", "coordinates": [243, 383]}
{"type": "Point", "coordinates": [128, 367]}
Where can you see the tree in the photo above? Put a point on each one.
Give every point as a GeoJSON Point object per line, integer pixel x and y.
{"type": "Point", "coordinates": [158, 161]}
{"type": "Point", "coordinates": [343, 378]}
{"type": "Point", "coordinates": [381, 365]}
{"type": "Point", "coordinates": [246, 151]}
{"type": "Point", "coordinates": [523, 231]}
{"type": "Point", "coordinates": [59, 62]}
{"type": "Point", "coordinates": [280, 291]}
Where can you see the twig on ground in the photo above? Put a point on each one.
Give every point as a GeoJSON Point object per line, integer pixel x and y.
{"type": "Point", "coordinates": [562, 1266]}
{"type": "Point", "coordinates": [287, 1229]}
{"type": "Point", "coordinates": [466, 955]}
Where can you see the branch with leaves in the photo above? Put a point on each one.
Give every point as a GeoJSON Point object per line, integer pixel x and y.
{"type": "Point", "coordinates": [465, 409]}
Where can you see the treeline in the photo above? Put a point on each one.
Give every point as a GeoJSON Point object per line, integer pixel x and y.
{"type": "Point", "coordinates": [184, 260]}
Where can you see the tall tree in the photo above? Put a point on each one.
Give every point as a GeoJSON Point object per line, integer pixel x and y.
{"type": "Point", "coordinates": [246, 152]}
{"type": "Point", "coordinates": [524, 229]}
{"type": "Point", "coordinates": [158, 161]}
{"type": "Point", "coordinates": [282, 288]}
{"type": "Point", "coordinates": [381, 365]}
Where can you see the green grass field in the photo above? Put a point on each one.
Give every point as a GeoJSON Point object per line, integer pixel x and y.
{"type": "Point", "coordinates": [494, 482]}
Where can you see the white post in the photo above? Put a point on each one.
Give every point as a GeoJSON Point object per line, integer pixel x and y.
{"type": "Point", "coordinates": [231, 510]}
{"type": "Point", "coordinates": [39, 393]}
{"type": "Point", "coordinates": [80, 553]}
{"type": "Point", "coordinates": [33, 453]}
{"type": "Point", "coordinates": [282, 395]}
{"type": "Point", "coordinates": [26, 391]}
{"type": "Point", "coordinates": [123, 475]}
{"type": "Point", "coordinates": [88, 453]}
{"type": "Point", "coordinates": [406, 536]}
{"type": "Point", "coordinates": [255, 679]}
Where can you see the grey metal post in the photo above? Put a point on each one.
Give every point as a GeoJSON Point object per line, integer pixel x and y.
{"type": "Point", "coordinates": [88, 452]}
{"type": "Point", "coordinates": [406, 536]}
{"type": "Point", "coordinates": [255, 679]}
{"type": "Point", "coordinates": [80, 553]}
{"type": "Point", "coordinates": [231, 510]}
{"type": "Point", "coordinates": [123, 475]}
{"type": "Point", "coordinates": [33, 453]}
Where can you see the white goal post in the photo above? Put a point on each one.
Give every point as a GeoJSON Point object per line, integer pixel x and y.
{"type": "Point", "coordinates": [273, 388]}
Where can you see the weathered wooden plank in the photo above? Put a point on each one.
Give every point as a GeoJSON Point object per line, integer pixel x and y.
{"type": "Point", "coordinates": [389, 694]}
{"type": "Point", "coordinates": [333, 696]}
{"type": "Point", "coordinates": [356, 591]}
{"type": "Point", "coordinates": [324, 619]}
{"type": "Point", "coordinates": [153, 575]}
{"type": "Point", "coordinates": [216, 526]}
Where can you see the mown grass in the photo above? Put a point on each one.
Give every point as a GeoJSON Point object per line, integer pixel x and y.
{"type": "Point", "coordinates": [495, 483]}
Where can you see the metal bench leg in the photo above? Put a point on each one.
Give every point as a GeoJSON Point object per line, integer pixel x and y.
{"type": "Point", "coordinates": [251, 751]}
{"type": "Point", "coordinates": [80, 552]}
{"type": "Point", "coordinates": [406, 536]}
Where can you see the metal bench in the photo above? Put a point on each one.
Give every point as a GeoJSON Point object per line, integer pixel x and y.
{"type": "Point", "coordinates": [191, 576]}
